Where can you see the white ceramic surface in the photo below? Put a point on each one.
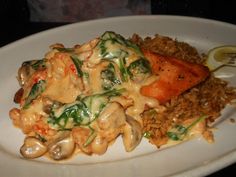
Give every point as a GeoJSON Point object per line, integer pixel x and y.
{"type": "Point", "coordinates": [192, 158]}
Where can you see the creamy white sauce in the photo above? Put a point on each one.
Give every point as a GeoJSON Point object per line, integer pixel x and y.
{"type": "Point", "coordinates": [95, 67]}
{"type": "Point", "coordinates": [63, 85]}
{"type": "Point", "coordinates": [139, 101]}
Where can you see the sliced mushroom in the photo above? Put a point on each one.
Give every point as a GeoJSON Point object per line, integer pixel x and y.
{"type": "Point", "coordinates": [32, 148]}
{"type": "Point", "coordinates": [113, 116]}
{"type": "Point", "coordinates": [111, 121]}
{"type": "Point", "coordinates": [62, 147]}
{"type": "Point", "coordinates": [25, 72]}
{"type": "Point", "coordinates": [132, 134]}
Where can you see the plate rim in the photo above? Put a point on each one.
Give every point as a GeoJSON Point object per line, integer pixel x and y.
{"type": "Point", "coordinates": [118, 18]}
{"type": "Point", "coordinates": [225, 159]}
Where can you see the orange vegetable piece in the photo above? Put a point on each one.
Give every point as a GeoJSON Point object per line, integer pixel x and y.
{"type": "Point", "coordinates": [174, 76]}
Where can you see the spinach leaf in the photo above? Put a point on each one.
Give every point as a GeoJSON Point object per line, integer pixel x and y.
{"type": "Point", "coordinates": [109, 78]}
{"type": "Point", "coordinates": [139, 69]}
{"type": "Point", "coordinates": [39, 64]}
{"type": "Point", "coordinates": [35, 64]}
{"type": "Point", "coordinates": [35, 91]}
{"type": "Point", "coordinates": [179, 132]}
{"type": "Point", "coordinates": [97, 102]}
{"type": "Point", "coordinates": [82, 112]}
{"type": "Point", "coordinates": [115, 48]}
{"type": "Point", "coordinates": [91, 137]}
{"type": "Point", "coordinates": [67, 50]}
{"type": "Point", "coordinates": [78, 64]}
{"type": "Point", "coordinates": [117, 39]}
{"type": "Point", "coordinates": [78, 112]}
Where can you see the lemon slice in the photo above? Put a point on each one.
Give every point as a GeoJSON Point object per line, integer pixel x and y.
{"type": "Point", "coordinates": [221, 56]}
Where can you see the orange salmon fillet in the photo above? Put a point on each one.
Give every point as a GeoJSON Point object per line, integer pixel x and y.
{"type": "Point", "coordinates": [174, 76]}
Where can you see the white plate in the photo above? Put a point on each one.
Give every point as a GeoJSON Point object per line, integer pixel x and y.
{"type": "Point", "coordinates": [193, 158]}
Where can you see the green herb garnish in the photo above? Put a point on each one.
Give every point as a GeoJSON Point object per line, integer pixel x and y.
{"type": "Point", "coordinates": [115, 48]}
{"type": "Point", "coordinates": [139, 69]}
{"type": "Point", "coordinates": [179, 132]}
{"type": "Point", "coordinates": [38, 64]}
{"type": "Point", "coordinates": [147, 134]}
{"type": "Point", "coordinates": [91, 137]}
{"type": "Point", "coordinates": [35, 64]}
{"type": "Point", "coordinates": [41, 138]}
{"type": "Point", "coordinates": [78, 64]}
{"type": "Point", "coordinates": [84, 111]}
{"type": "Point", "coordinates": [35, 91]}
{"type": "Point", "coordinates": [67, 50]}
{"type": "Point", "coordinates": [109, 78]}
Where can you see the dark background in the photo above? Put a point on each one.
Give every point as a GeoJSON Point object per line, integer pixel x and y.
{"type": "Point", "coordinates": [15, 24]}
{"type": "Point", "coordinates": [15, 15]}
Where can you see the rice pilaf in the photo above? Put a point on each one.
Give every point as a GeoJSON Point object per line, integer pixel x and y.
{"type": "Point", "coordinates": [208, 98]}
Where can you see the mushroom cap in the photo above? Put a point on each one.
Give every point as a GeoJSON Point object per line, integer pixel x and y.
{"type": "Point", "coordinates": [32, 148]}
{"type": "Point", "coordinates": [132, 134]}
{"type": "Point", "coordinates": [62, 147]}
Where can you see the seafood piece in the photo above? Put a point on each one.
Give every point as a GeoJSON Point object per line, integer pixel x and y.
{"type": "Point", "coordinates": [174, 76]}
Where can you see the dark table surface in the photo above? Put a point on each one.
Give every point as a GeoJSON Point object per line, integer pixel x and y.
{"type": "Point", "coordinates": [13, 28]}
